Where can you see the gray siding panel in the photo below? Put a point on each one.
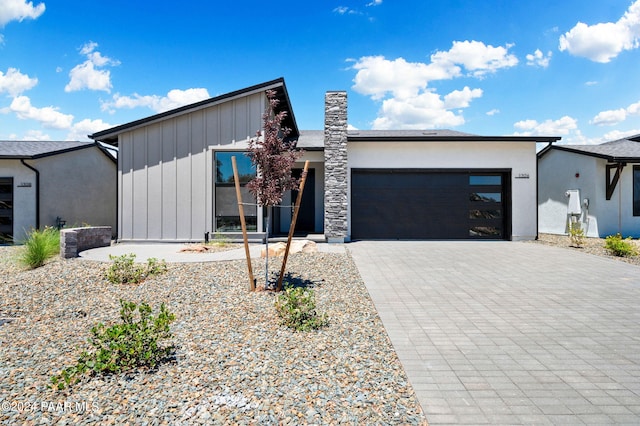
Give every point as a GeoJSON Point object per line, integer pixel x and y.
{"type": "Point", "coordinates": [140, 187]}
{"type": "Point", "coordinates": [198, 175]}
{"type": "Point", "coordinates": [183, 182]}
{"type": "Point", "coordinates": [154, 209]}
{"type": "Point", "coordinates": [167, 171]}
{"type": "Point", "coordinates": [169, 230]}
{"type": "Point", "coordinates": [126, 224]}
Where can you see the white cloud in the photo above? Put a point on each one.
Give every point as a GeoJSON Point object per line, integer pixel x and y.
{"type": "Point", "coordinates": [476, 57]}
{"type": "Point", "coordinates": [374, 3]}
{"type": "Point", "coordinates": [14, 82]}
{"type": "Point", "coordinates": [174, 99]}
{"type": "Point", "coordinates": [81, 130]}
{"type": "Point", "coordinates": [426, 110]}
{"type": "Point", "coordinates": [36, 135]}
{"type": "Point", "coordinates": [48, 117]}
{"type": "Point", "coordinates": [615, 116]}
{"type": "Point", "coordinates": [344, 10]}
{"type": "Point", "coordinates": [539, 59]}
{"type": "Point", "coordinates": [609, 118]}
{"type": "Point", "coordinates": [89, 75]}
{"type": "Point", "coordinates": [461, 98]}
{"type": "Point", "coordinates": [590, 83]}
{"type": "Point", "coordinates": [493, 112]}
{"type": "Point", "coordinates": [562, 126]}
{"type": "Point", "coordinates": [408, 102]}
{"type": "Point", "coordinates": [604, 41]}
{"type": "Point", "coordinates": [618, 134]}
{"type": "Point", "coordinates": [18, 10]}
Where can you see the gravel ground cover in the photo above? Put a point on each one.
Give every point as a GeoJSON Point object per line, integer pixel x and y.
{"type": "Point", "coordinates": [233, 365]}
{"type": "Point", "coordinates": [594, 246]}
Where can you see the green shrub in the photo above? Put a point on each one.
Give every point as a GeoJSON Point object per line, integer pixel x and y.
{"type": "Point", "coordinates": [576, 235]}
{"type": "Point", "coordinates": [124, 269]}
{"type": "Point", "coordinates": [123, 347]}
{"type": "Point", "coordinates": [296, 308]}
{"type": "Point", "coordinates": [39, 247]}
{"type": "Point", "coordinates": [619, 246]}
{"type": "Point", "coordinates": [220, 240]}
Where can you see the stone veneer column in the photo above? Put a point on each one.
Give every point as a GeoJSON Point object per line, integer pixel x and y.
{"type": "Point", "coordinates": [335, 167]}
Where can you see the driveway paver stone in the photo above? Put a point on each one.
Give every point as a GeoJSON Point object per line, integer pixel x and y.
{"type": "Point", "coordinates": [509, 332]}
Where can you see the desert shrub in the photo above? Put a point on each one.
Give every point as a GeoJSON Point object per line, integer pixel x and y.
{"type": "Point", "coordinates": [296, 308]}
{"type": "Point", "coordinates": [39, 247]}
{"type": "Point", "coordinates": [124, 270]}
{"type": "Point", "coordinates": [576, 235]}
{"type": "Point", "coordinates": [220, 240]}
{"type": "Point", "coordinates": [130, 345]}
{"type": "Point", "coordinates": [618, 246]}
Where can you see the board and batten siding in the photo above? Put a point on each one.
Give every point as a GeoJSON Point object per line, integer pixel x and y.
{"type": "Point", "coordinates": [166, 171]}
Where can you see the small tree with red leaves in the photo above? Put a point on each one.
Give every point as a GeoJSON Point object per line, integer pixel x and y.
{"type": "Point", "coordinates": [273, 156]}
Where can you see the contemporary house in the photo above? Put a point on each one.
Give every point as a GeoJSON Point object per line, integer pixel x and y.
{"type": "Point", "coordinates": [596, 186]}
{"type": "Point", "coordinates": [175, 181]}
{"type": "Point", "coordinates": [46, 183]}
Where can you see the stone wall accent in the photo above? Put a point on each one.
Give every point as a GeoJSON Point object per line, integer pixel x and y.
{"type": "Point", "coordinates": [75, 240]}
{"type": "Point", "coordinates": [335, 167]}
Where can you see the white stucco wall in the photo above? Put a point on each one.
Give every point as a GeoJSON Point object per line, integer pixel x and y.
{"type": "Point", "coordinates": [24, 197]}
{"type": "Point", "coordinates": [558, 169]}
{"type": "Point", "coordinates": [518, 157]}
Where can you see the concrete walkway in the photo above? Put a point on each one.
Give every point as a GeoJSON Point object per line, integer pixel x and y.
{"type": "Point", "coordinates": [170, 252]}
{"type": "Point", "coordinates": [510, 333]}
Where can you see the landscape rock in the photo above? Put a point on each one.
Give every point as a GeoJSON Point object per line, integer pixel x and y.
{"type": "Point", "coordinates": [297, 246]}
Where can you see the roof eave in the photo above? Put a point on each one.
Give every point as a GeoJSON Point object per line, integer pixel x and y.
{"type": "Point", "coordinates": [48, 154]}
{"type": "Point", "coordinates": [541, 139]}
{"type": "Point", "coordinates": [610, 158]}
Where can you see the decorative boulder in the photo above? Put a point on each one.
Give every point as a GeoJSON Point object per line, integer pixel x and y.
{"type": "Point", "coordinates": [297, 246]}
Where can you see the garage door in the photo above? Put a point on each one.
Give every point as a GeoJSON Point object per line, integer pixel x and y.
{"type": "Point", "coordinates": [424, 204]}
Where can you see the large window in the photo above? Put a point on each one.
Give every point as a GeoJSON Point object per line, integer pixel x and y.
{"type": "Point", "coordinates": [227, 213]}
{"type": "Point", "coordinates": [636, 190]}
{"type": "Point", "coordinates": [486, 219]}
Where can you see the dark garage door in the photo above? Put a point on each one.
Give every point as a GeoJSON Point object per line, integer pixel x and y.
{"type": "Point", "coordinates": [423, 204]}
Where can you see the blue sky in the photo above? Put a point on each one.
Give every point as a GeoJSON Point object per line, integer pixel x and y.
{"type": "Point", "coordinates": [493, 67]}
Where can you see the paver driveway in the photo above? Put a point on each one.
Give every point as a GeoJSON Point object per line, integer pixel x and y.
{"type": "Point", "coordinates": [510, 332]}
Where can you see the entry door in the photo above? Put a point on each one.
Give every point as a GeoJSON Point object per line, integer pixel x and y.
{"type": "Point", "coordinates": [307, 214]}
{"type": "Point", "coordinates": [6, 210]}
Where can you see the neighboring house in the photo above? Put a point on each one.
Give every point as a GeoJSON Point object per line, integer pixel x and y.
{"type": "Point", "coordinates": [597, 185]}
{"type": "Point", "coordinates": [175, 181]}
{"type": "Point", "coordinates": [45, 183]}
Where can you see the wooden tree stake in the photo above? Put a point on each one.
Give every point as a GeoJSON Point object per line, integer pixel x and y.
{"type": "Point", "coordinates": [293, 224]}
{"type": "Point", "coordinates": [252, 281]}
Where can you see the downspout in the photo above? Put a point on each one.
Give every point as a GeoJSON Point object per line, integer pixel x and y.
{"type": "Point", "coordinates": [538, 191]}
{"type": "Point", "coordinates": [37, 191]}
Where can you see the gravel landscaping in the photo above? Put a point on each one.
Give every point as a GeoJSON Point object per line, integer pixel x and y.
{"type": "Point", "coordinates": [594, 246]}
{"type": "Point", "coordinates": [233, 365]}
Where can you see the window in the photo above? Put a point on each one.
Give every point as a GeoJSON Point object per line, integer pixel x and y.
{"type": "Point", "coordinates": [227, 213]}
{"type": "Point", "coordinates": [486, 218]}
{"type": "Point", "coordinates": [636, 190]}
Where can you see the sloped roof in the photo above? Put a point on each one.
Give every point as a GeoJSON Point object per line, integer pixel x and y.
{"type": "Point", "coordinates": [621, 150]}
{"type": "Point", "coordinates": [38, 149]}
{"type": "Point", "coordinates": [314, 139]}
{"type": "Point", "coordinates": [278, 85]}
{"type": "Point", "coordinates": [439, 135]}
